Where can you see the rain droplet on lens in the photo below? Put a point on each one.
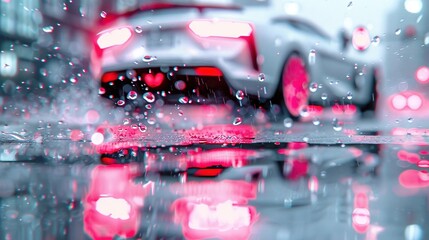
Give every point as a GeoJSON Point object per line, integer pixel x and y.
{"type": "Point", "coordinates": [337, 125]}
{"type": "Point", "coordinates": [239, 95]}
{"type": "Point", "coordinates": [261, 77]}
{"type": "Point", "coordinates": [349, 95]}
{"type": "Point", "coordinates": [398, 31]}
{"type": "Point", "coordinates": [376, 40]}
{"type": "Point", "coordinates": [132, 95]}
{"type": "Point", "coordinates": [131, 73]}
{"type": "Point", "coordinates": [180, 85]}
{"type": "Point", "coordinates": [151, 121]}
{"type": "Point", "coordinates": [148, 106]}
{"type": "Point", "coordinates": [120, 102]}
{"type": "Point", "coordinates": [312, 56]}
{"type": "Point", "coordinates": [101, 91]}
{"type": "Point", "coordinates": [287, 122]}
{"type": "Point", "coordinates": [237, 121]}
{"type": "Point", "coordinates": [313, 87]}
{"type": "Point", "coordinates": [48, 29]}
{"type": "Point", "coordinates": [304, 112]}
{"type": "Point", "coordinates": [138, 29]}
{"type": "Point", "coordinates": [149, 97]}
{"type": "Point", "coordinates": [103, 14]}
{"type": "Point", "coordinates": [316, 122]}
{"type": "Point", "coordinates": [73, 80]}
{"type": "Point", "coordinates": [142, 127]}
{"type": "Point", "coordinates": [410, 120]}
{"type": "Point", "coordinates": [184, 100]}
{"type": "Point", "coordinates": [126, 121]}
{"type": "Point", "coordinates": [324, 96]}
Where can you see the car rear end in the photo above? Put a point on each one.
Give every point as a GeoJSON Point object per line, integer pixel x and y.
{"type": "Point", "coordinates": [176, 51]}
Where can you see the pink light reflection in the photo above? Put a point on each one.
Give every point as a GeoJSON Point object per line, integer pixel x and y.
{"type": "Point", "coordinates": [111, 205]}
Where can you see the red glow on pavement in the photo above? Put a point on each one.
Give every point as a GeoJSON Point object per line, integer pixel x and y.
{"type": "Point", "coordinates": [422, 74]}
{"type": "Point", "coordinates": [224, 157]}
{"type": "Point", "coordinates": [414, 179]}
{"type": "Point", "coordinates": [154, 80]}
{"type": "Point", "coordinates": [208, 71]}
{"type": "Point", "coordinates": [361, 217]}
{"type": "Point", "coordinates": [295, 82]}
{"type": "Point", "coordinates": [113, 201]}
{"type": "Point", "coordinates": [408, 156]}
{"type": "Point", "coordinates": [215, 209]}
{"type": "Point", "coordinates": [207, 28]}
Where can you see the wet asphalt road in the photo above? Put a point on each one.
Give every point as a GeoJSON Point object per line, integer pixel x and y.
{"type": "Point", "coordinates": [327, 179]}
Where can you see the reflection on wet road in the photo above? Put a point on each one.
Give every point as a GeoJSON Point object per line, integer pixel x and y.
{"type": "Point", "coordinates": [221, 181]}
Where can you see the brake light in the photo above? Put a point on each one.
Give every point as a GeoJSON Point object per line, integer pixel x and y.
{"type": "Point", "coordinates": [412, 101]}
{"type": "Point", "coordinates": [113, 37]}
{"type": "Point", "coordinates": [422, 74]}
{"type": "Point", "coordinates": [361, 39]}
{"type": "Point", "coordinates": [208, 28]}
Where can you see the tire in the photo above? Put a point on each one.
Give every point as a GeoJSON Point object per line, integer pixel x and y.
{"type": "Point", "coordinates": [294, 86]}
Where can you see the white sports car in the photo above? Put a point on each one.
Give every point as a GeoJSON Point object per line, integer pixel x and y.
{"type": "Point", "coordinates": [211, 51]}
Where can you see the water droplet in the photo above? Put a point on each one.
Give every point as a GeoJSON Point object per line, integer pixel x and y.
{"type": "Point", "coordinates": [305, 139]}
{"type": "Point", "coordinates": [398, 31]}
{"type": "Point", "coordinates": [48, 29]}
{"type": "Point", "coordinates": [304, 112]}
{"type": "Point", "coordinates": [149, 97]}
{"type": "Point", "coordinates": [126, 121]}
{"type": "Point", "coordinates": [312, 56]}
{"type": "Point", "coordinates": [410, 120]}
{"type": "Point", "coordinates": [184, 100]}
{"type": "Point", "coordinates": [101, 91]}
{"type": "Point", "coordinates": [237, 121]}
{"type": "Point", "coordinates": [151, 121]}
{"type": "Point", "coordinates": [239, 95]}
{"type": "Point", "coordinates": [349, 95]}
{"type": "Point", "coordinates": [131, 73]}
{"type": "Point", "coordinates": [142, 127]}
{"type": "Point", "coordinates": [103, 14]}
{"type": "Point", "coordinates": [261, 77]}
{"type": "Point", "coordinates": [180, 85]}
{"type": "Point", "coordinates": [313, 87]}
{"type": "Point", "coordinates": [149, 58]}
{"type": "Point", "coordinates": [287, 122]}
{"type": "Point", "coordinates": [138, 29]}
{"type": "Point", "coordinates": [316, 122]}
{"type": "Point", "coordinates": [376, 40]}
{"type": "Point", "coordinates": [148, 106]}
{"type": "Point", "coordinates": [324, 96]}
{"type": "Point", "coordinates": [337, 125]}
{"type": "Point", "coordinates": [73, 80]}
{"type": "Point", "coordinates": [120, 102]}
{"type": "Point", "coordinates": [132, 95]}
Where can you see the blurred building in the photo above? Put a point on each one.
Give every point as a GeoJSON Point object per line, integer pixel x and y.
{"type": "Point", "coordinates": [44, 42]}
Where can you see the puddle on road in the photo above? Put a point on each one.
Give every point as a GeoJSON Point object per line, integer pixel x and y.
{"type": "Point", "coordinates": [224, 187]}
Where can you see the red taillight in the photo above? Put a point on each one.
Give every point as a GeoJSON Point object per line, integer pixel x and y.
{"type": "Point", "coordinates": [422, 74]}
{"type": "Point", "coordinates": [113, 37]}
{"type": "Point", "coordinates": [361, 39]}
{"type": "Point", "coordinates": [208, 71]}
{"type": "Point", "coordinates": [410, 100]}
{"type": "Point", "coordinates": [208, 28]}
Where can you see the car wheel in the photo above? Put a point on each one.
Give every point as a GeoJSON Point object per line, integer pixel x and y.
{"type": "Point", "coordinates": [294, 84]}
